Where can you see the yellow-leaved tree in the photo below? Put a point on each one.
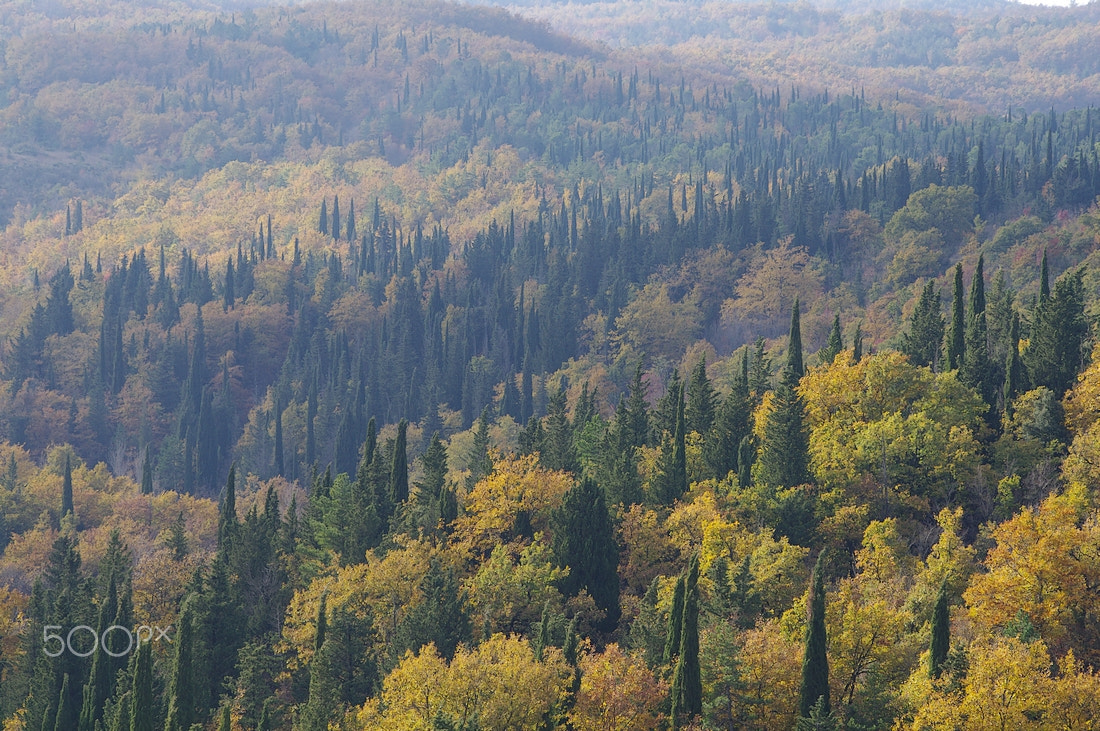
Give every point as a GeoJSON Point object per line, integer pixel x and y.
{"type": "Point", "coordinates": [500, 683]}
{"type": "Point", "coordinates": [617, 693]}
{"type": "Point", "coordinates": [1045, 564]}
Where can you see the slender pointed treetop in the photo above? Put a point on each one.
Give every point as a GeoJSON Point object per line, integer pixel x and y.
{"type": "Point", "coordinates": [794, 352]}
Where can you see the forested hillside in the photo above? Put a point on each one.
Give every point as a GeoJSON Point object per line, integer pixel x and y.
{"type": "Point", "coordinates": [971, 57]}
{"type": "Point", "coordinates": [420, 367]}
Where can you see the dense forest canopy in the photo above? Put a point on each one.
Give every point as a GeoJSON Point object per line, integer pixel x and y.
{"type": "Point", "coordinates": [966, 56]}
{"type": "Point", "coordinates": [392, 359]}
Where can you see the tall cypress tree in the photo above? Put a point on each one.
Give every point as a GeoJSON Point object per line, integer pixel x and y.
{"type": "Point", "coordinates": [924, 341]}
{"type": "Point", "coordinates": [941, 633]}
{"type": "Point", "coordinates": [280, 467]}
{"type": "Point", "coordinates": [976, 370]}
{"type": "Point", "coordinates": [672, 480]}
{"type": "Point", "coordinates": [227, 515]}
{"type": "Point", "coordinates": [1015, 375]}
{"type": "Point", "coordinates": [101, 678]}
{"type": "Point", "coordinates": [794, 348]}
{"type": "Point", "coordinates": [687, 684]}
{"type": "Point", "coordinates": [66, 718]}
{"type": "Point", "coordinates": [142, 711]}
{"type": "Point", "coordinates": [147, 473]}
{"type": "Point", "coordinates": [181, 694]}
{"type": "Point", "coordinates": [675, 623]}
{"type": "Point", "coordinates": [815, 662]}
{"type": "Point", "coordinates": [955, 346]}
{"type": "Point", "coordinates": [399, 470]}
{"type": "Point", "coordinates": [67, 488]}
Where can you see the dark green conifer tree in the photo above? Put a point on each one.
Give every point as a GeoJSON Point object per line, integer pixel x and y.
{"type": "Point", "coordinates": [672, 480]}
{"type": "Point", "coordinates": [700, 405]}
{"type": "Point", "coordinates": [439, 617]}
{"type": "Point", "coordinates": [924, 341]}
{"type": "Point", "coordinates": [227, 514]}
{"type": "Point", "coordinates": [632, 415]}
{"type": "Point", "coordinates": [784, 455]}
{"type": "Point", "coordinates": [834, 345]}
{"type": "Point", "coordinates": [280, 467]}
{"type": "Point", "coordinates": [955, 345]}
{"type": "Point", "coordinates": [941, 633]}
{"type": "Point", "coordinates": [1055, 352]}
{"type": "Point", "coordinates": [1015, 375]}
{"type": "Point", "coordinates": [675, 623]}
{"type": "Point", "coordinates": [976, 369]}
{"type": "Point", "coordinates": [147, 473]}
{"type": "Point", "coordinates": [101, 678]}
{"type": "Point", "coordinates": [815, 662]}
{"type": "Point", "coordinates": [557, 451]}
{"type": "Point", "coordinates": [67, 488]}
{"type": "Point", "coordinates": [478, 459]}
{"type": "Point", "coordinates": [687, 684]}
{"type": "Point", "coordinates": [181, 691]}
{"type": "Point", "coordinates": [399, 469]}
{"type": "Point", "coordinates": [66, 718]}
{"type": "Point", "coordinates": [142, 709]}
{"type": "Point", "coordinates": [583, 538]}
{"type": "Point", "coordinates": [731, 425]}
{"type": "Point", "coordinates": [794, 347]}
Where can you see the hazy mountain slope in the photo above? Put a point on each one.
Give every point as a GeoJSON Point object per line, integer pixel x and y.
{"type": "Point", "coordinates": [986, 57]}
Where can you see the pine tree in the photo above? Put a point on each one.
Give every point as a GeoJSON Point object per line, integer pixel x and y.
{"type": "Point", "coordinates": [941, 634]}
{"type": "Point", "coordinates": [632, 415]}
{"type": "Point", "coordinates": [923, 342]}
{"type": "Point", "coordinates": [557, 451]}
{"type": "Point", "coordinates": [701, 399]}
{"type": "Point", "coordinates": [478, 459]}
{"type": "Point", "coordinates": [760, 375]}
{"type": "Point", "coordinates": [177, 538]}
{"type": "Point", "coordinates": [225, 722]}
{"type": "Point", "coordinates": [439, 617]}
{"type": "Point", "coordinates": [783, 460]}
{"type": "Point", "coordinates": [834, 345]}
{"type": "Point", "coordinates": [1055, 352]}
{"type": "Point", "coordinates": [815, 663]}
{"type": "Point", "coordinates": [955, 345]}
{"type": "Point", "coordinates": [322, 224]}
{"type": "Point", "coordinates": [583, 539]}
